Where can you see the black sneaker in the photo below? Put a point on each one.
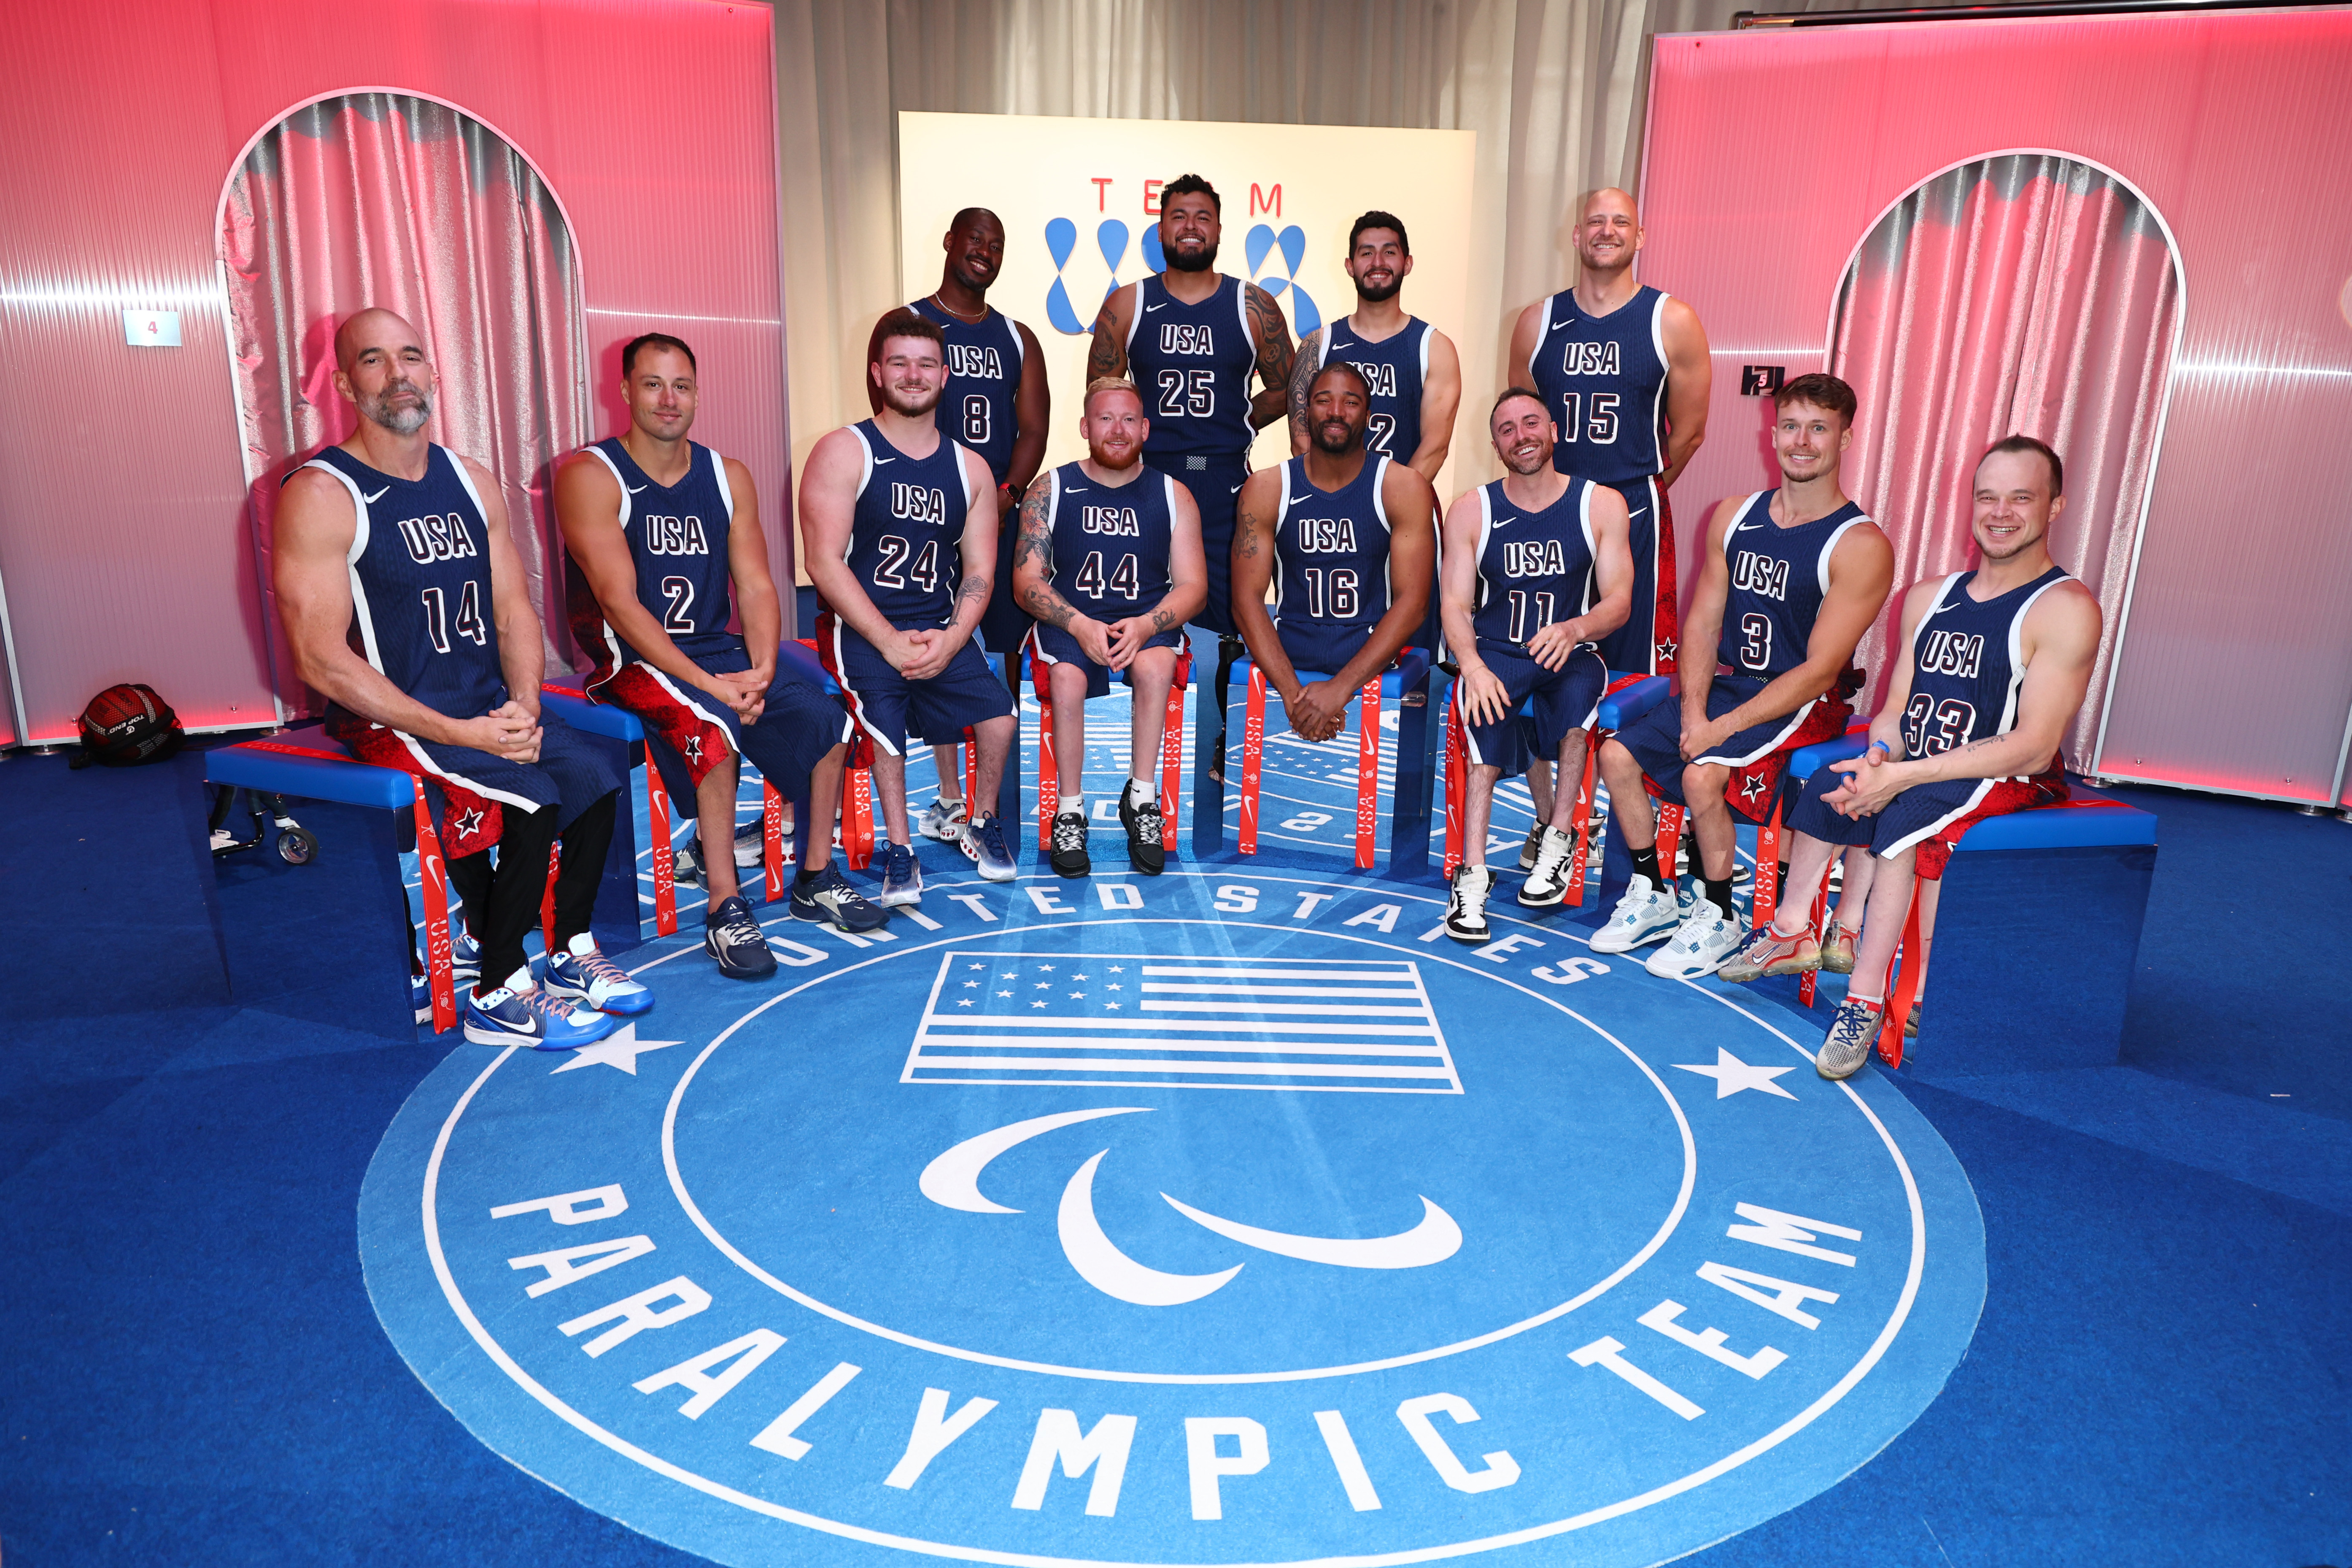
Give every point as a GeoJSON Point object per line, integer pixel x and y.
{"type": "Point", "coordinates": [1146, 850]}
{"type": "Point", "coordinates": [735, 939]}
{"type": "Point", "coordinates": [1069, 857]}
{"type": "Point", "coordinates": [827, 899]}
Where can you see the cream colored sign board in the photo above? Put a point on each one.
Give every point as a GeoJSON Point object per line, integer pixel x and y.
{"type": "Point", "coordinates": [1079, 203]}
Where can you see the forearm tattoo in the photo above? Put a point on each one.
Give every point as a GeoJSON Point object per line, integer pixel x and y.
{"type": "Point", "coordinates": [1106, 353]}
{"type": "Point", "coordinates": [1302, 377]}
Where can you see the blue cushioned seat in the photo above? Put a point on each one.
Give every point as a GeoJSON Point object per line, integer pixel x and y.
{"type": "Point", "coordinates": [248, 766]}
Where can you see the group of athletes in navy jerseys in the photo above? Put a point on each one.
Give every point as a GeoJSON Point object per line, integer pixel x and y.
{"type": "Point", "coordinates": [928, 534]}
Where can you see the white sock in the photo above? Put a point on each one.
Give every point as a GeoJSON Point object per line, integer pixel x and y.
{"type": "Point", "coordinates": [1077, 803]}
{"type": "Point", "coordinates": [1143, 792]}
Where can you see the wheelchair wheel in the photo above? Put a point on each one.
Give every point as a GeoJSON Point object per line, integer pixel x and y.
{"type": "Point", "coordinates": [295, 847]}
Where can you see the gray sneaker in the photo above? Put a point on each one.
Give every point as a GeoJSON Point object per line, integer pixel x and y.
{"type": "Point", "coordinates": [902, 877]}
{"type": "Point", "coordinates": [1547, 884]}
{"type": "Point", "coordinates": [984, 842]}
{"type": "Point", "coordinates": [943, 820]}
{"type": "Point", "coordinates": [1852, 1034]}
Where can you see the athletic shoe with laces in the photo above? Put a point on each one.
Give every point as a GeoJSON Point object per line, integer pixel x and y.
{"type": "Point", "coordinates": [751, 840]}
{"type": "Point", "coordinates": [902, 877]}
{"type": "Point", "coordinates": [465, 970]}
{"type": "Point", "coordinates": [1466, 906]}
{"type": "Point", "coordinates": [984, 842]}
{"type": "Point", "coordinates": [519, 1013]}
{"type": "Point", "coordinates": [1699, 945]}
{"type": "Point", "coordinates": [1766, 952]}
{"type": "Point", "coordinates": [1645, 914]}
{"type": "Point", "coordinates": [734, 939]}
{"type": "Point", "coordinates": [1146, 848]}
{"type": "Point", "coordinates": [1532, 850]}
{"type": "Point", "coordinates": [1069, 857]}
{"type": "Point", "coordinates": [1547, 884]}
{"type": "Point", "coordinates": [581, 974]}
{"type": "Point", "coordinates": [1837, 950]}
{"type": "Point", "coordinates": [945, 820]}
{"type": "Point", "coordinates": [1911, 1023]}
{"type": "Point", "coordinates": [827, 899]}
{"type": "Point", "coordinates": [1852, 1032]}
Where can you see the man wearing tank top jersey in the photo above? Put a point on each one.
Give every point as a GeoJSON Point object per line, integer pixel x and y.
{"type": "Point", "coordinates": [899, 524]}
{"type": "Point", "coordinates": [997, 403]}
{"type": "Point", "coordinates": [1535, 570]}
{"type": "Point", "coordinates": [662, 539]}
{"type": "Point", "coordinates": [1190, 338]}
{"type": "Point", "coordinates": [408, 609]}
{"type": "Point", "coordinates": [1344, 539]}
{"type": "Point", "coordinates": [1109, 562]}
{"type": "Point", "coordinates": [1790, 580]}
{"type": "Point", "coordinates": [1990, 667]}
{"type": "Point", "coordinates": [1411, 369]}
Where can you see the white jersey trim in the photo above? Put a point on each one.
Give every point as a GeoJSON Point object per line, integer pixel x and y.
{"type": "Point", "coordinates": [725, 490]}
{"type": "Point", "coordinates": [619, 654]}
{"type": "Point", "coordinates": [1910, 840]}
{"type": "Point", "coordinates": [1591, 547]}
{"type": "Point", "coordinates": [605, 457]}
{"type": "Point", "coordinates": [1829, 547]}
{"type": "Point", "coordinates": [359, 610]}
{"type": "Point", "coordinates": [1478, 555]}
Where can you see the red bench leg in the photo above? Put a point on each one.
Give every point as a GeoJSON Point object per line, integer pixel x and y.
{"type": "Point", "coordinates": [1172, 746]}
{"type": "Point", "coordinates": [432, 880]}
{"type": "Point", "coordinates": [1905, 989]}
{"type": "Point", "coordinates": [1768, 871]}
{"type": "Point", "coordinates": [972, 769]}
{"type": "Point", "coordinates": [771, 839]}
{"type": "Point", "coordinates": [1583, 822]}
{"type": "Point", "coordinates": [547, 900]}
{"type": "Point", "coordinates": [1049, 777]}
{"type": "Point", "coordinates": [1820, 911]}
{"type": "Point", "coordinates": [1670, 836]}
{"type": "Point", "coordinates": [664, 861]}
{"type": "Point", "coordinates": [1457, 779]}
{"type": "Point", "coordinates": [857, 819]}
{"type": "Point", "coordinates": [1253, 748]}
{"type": "Point", "coordinates": [1368, 772]}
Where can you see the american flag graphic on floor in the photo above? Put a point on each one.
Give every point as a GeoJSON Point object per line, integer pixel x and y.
{"type": "Point", "coordinates": [1162, 1021]}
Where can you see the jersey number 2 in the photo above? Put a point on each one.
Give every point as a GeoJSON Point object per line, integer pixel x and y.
{"type": "Point", "coordinates": [469, 617]}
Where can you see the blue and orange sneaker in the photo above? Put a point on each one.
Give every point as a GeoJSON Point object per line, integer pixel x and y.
{"type": "Point", "coordinates": [581, 974]}
{"type": "Point", "coordinates": [519, 1013]}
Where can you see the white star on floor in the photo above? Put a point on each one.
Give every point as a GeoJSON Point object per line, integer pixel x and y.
{"type": "Point", "coordinates": [1731, 1075]}
{"type": "Point", "coordinates": [619, 1049]}
{"type": "Point", "coordinates": [1037, 1004]}
{"type": "Point", "coordinates": [1005, 994]}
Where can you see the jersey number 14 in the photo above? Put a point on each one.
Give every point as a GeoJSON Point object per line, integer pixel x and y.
{"type": "Point", "coordinates": [470, 617]}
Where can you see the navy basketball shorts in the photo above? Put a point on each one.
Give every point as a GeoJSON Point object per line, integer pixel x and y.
{"type": "Point", "coordinates": [1756, 755]}
{"type": "Point", "coordinates": [1634, 647]}
{"type": "Point", "coordinates": [887, 707]}
{"type": "Point", "coordinates": [1565, 701]}
{"type": "Point", "coordinates": [470, 791]}
{"type": "Point", "coordinates": [1929, 817]}
{"type": "Point", "coordinates": [1056, 647]}
{"type": "Point", "coordinates": [799, 724]}
{"type": "Point", "coordinates": [1320, 648]}
{"type": "Point", "coordinates": [1215, 483]}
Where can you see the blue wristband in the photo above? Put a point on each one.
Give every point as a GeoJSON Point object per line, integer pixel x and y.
{"type": "Point", "coordinates": [1882, 746]}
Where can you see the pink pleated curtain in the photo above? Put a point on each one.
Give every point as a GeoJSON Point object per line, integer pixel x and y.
{"type": "Point", "coordinates": [2026, 293]}
{"type": "Point", "coordinates": [397, 201]}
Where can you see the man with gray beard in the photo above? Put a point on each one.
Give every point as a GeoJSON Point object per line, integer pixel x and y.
{"type": "Point", "coordinates": [406, 607]}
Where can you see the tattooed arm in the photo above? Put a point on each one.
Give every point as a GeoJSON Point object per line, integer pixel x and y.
{"type": "Point", "coordinates": [1107, 354]}
{"type": "Point", "coordinates": [1302, 378]}
{"type": "Point", "coordinates": [1275, 358]}
{"type": "Point", "coordinates": [1032, 571]}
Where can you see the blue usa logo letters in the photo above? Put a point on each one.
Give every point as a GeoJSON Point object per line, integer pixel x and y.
{"type": "Point", "coordinates": [1208, 1218]}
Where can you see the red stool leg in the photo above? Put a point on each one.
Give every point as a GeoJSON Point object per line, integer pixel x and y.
{"type": "Point", "coordinates": [1049, 777]}
{"type": "Point", "coordinates": [970, 770]}
{"type": "Point", "coordinates": [1368, 771]}
{"type": "Point", "coordinates": [857, 819]}
{"type": "Point", "coordinates": [772, 837]}
{"type": "Point", "coordinates": [1457, 779]}
{"type": "Point", "coordinates": [1253, 748]}
{"type": "Point", "coordinates": [1905, 989]}
{"type": "Point", "coordinates": [1670, 837]}
{"type": "Point", "coordinates": [1583, 823]}
{"type": "Point", "coordinates": [1172, 746]}
{"type": "Point", "coordinates": [1768, 871]}
{"type": "Point", "coordinates": [664, 859]}
{"type": "Point", "coordinates": [1820, 911]}
{"type": "Point", "coordinates": [432, 880]}
{"type": "Point", "coordinates": [547, 900]}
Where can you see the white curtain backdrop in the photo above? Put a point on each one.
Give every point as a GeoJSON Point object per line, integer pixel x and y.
{"type": "Point", "coordinates": [1553, 88]}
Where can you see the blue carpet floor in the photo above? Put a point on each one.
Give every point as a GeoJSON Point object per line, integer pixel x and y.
{"type": "Point", "coordinates": [193, 1374]}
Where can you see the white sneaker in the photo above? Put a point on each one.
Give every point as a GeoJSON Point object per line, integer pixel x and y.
{"type": "Point", "coordinates": [944, 820]}
{"type": "Point", "coordinates": [1465, 908]}
{"type": "Point", "coordinates": [1547, 884]}
{"type": "Point", "coordinates": [1645, 914]}
{"type": "Point", "coordinates": [1706, 940]}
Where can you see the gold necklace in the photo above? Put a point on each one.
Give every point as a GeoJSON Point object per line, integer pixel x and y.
{"type": "Point", "coordinates": [959, 315]}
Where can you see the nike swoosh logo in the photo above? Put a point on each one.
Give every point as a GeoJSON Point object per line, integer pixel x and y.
{"type": "Point", "coordinates": [879, 461]}
{"type": "Point", "coordinates": [1504, 522]}
{"type": "Point", "coordinates": [1148, 308]}
{"type": "Point", "coordinates": [631, 488]}
{"type": "Point", "coordinates": [378, 496]}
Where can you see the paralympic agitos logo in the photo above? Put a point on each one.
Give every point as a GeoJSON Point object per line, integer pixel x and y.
{"type": "Point", "coordinates": [1273, 257]}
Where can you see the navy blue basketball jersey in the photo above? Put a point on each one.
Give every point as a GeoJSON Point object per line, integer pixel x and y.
{"type": "Point", "coordinates": [1193, 363]}
{"type": "Point", "coordinates": [907, 534]}
{"type": "Point", "coordinates": [1394, 369]}
{"type": "Point", "coordinates": [1111, 542]}
{"type": "Point", "coordinates": [1534, 567]}
{"type": "Point", "coordinates": [1779, 576]}
{"type": "Point", "coordinates": [1604, 380]}
{"type": "Point", "coordinates": [1967, 663]}
{"type": "Point", "coordinates": [983, 374]}
{"type": "Point", "coordinates": [1331, 550]}
{"type": "Point", "coordinates": [677, 537]}
{"type": "Point", "coordinates": [420, 571]}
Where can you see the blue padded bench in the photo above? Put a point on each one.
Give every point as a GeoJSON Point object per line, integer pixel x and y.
{"type": "Point", "coordinates": [330, 941]}
{"type": "Point", "coordinates": [1407, 684]}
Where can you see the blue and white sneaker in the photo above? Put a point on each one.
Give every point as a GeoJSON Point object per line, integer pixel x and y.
{"type": "Point", "coordinates": [465, 970]}
{"type": "Point", "coordinates": [1707, 938]}
{"type": "Point", "coordinates": [519, 1013]}
{"type": "Point", "coordinates": [581, 974]}
{"type": "Point", "coordinates": [1646, 913]}
{"type": "Point", "coordinates": [902, 876]}
{"type": "Point", "coordinates": [734, 939]}
{"type": "Point", "coordinates": [827, 899]}
{"type": "Point", "coordinates": [984, 842]}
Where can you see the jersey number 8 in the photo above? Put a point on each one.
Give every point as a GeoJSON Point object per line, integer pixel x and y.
{"type": "Point", "coordinates": [975, 420]}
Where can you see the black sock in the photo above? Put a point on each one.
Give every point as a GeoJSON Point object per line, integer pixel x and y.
{"type": "Point", "coordinates": [807, 874]}
{"type": "Point", "coordinates": [1646, 864]}
{"type": "Point", "coordinates": [1718, 893]}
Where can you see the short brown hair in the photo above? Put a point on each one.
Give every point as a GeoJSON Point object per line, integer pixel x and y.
{"type": "Point", "coordinates": [1110, 384]}
{"type": "Point", "coordinates": [906, 323]}
{"type": "Point", "coordinates": [1510, 392]}
{"type": "Point", "coordinates": [2030, 444]}
{"type": "Point", "coordinates": [1822, 390]}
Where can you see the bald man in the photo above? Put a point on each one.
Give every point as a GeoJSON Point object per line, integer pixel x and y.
{"type": "Point", "coordinates": [406, 607]}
